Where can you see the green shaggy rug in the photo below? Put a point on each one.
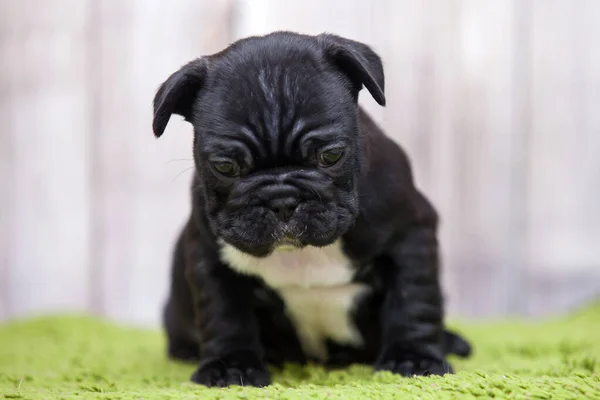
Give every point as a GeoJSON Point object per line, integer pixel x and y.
{"type": "Point", "coordinates": [83, 357]}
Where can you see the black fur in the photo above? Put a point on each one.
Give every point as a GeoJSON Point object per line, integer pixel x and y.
{"type": "Point", "coordinates": [270, 104]}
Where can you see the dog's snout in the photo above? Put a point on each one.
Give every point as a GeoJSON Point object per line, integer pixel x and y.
{"type": "Point", "coordinates": [284, 208]}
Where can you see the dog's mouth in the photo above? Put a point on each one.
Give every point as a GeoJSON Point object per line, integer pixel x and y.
{"type": "Point", "coordinates": [253, 230]}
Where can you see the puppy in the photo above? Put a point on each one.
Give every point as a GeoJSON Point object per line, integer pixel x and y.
{"type": "Point", "coordinates": [307, 239]}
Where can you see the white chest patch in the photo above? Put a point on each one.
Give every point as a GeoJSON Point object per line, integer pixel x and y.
{"type": "Point", "coordinates": [315, 285]}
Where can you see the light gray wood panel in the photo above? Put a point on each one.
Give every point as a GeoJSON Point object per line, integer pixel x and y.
{"type": "Point", "coordinates": [6, 165]}
{"type": "Point", "coordinates": [142, 183]}
{"type": "Point", "coordinates": [491, 137]}
{"type": "Point", "coordinates": [45, 116]}
{"type": "Point", "coordinates": [564, 171]}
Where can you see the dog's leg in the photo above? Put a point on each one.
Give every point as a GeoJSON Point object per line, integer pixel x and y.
{"type": "Point", "coordinates": [230, 348]}
{"type": "Point", "coordinates": [181, 345]}
{"type": "Point", "coordinates": [412, 315]}
{"type": "Point", "coordinates": [178, 313]}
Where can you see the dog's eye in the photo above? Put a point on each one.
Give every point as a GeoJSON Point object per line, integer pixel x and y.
{"type": "Point", "coordinates": [227, 168]}
{"type": "Point", "coordinates": [330, 157]}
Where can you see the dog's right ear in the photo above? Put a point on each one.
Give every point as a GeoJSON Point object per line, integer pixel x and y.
{"type": "Point", "coordinates": [177, 94]}
{"type": "Point", "coordinates": [358, 61]}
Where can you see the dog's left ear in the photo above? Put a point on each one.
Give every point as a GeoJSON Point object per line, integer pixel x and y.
{"type": "Point", "coordinates": [177, 94]}
{"type": "Point", "coordinates": [357, 60]}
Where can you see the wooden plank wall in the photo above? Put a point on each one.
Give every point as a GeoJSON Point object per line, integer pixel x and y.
{"type": "Point", "coordinates": [45, 105]}
{"type": "Point", "coordinates": [564, 154]}
{"type": "Point", "coordinates": [496, 103]}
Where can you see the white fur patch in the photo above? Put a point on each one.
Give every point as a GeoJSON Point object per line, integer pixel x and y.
{"type": "Point", "coordinates": [315, 284]}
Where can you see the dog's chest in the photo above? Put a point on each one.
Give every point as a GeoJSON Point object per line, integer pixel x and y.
{"type": "Point", "coordinates": [316, 287]}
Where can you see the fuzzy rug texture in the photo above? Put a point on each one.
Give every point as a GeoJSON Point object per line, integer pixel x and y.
{"type": "Point", "coordinates": [72, 357]}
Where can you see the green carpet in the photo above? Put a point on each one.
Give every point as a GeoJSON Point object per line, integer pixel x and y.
{"type": "Point", "coordinates": [82, 357]}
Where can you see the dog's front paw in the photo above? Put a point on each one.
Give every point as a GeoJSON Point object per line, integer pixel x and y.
{"type": "Point", "coordinates": [407, 363]}
{"type": "Point", "coordinates": [241, 368]}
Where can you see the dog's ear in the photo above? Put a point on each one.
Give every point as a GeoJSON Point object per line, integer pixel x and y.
{"type": "Point", "coordinates": [177, 94]}
{"type": "Point", "coordinates": [357, 60]}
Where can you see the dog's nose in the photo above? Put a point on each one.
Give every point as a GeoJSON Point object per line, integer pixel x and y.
{"type": "Point", "coordinates": [284, 208]}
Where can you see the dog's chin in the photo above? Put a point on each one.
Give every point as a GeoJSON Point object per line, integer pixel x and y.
{"type": "Point", "coordinates": [285, 244]}
{"type": "Point", "coordinates": [286, 247]}
{"type": "Point", "coordinates": [289, 243]}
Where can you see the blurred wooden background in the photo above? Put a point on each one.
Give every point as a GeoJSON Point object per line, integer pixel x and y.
{"type": "Point", "coordinates": [497, 103]}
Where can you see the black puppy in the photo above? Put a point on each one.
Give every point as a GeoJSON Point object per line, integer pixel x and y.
{"type": "Point", "coordinates": [307, 239]}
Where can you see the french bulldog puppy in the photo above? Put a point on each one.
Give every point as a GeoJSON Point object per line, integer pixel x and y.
{"type": "Point", "coordinates": [307, 239]}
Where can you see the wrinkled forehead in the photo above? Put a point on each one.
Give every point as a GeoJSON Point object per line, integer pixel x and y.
{"type": "Point", "coordinates": [278, 85]}
{"type": "Point", "coordinates": [275, 105]}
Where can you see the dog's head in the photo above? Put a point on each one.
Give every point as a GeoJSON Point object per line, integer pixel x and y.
{"type": "Point", "coordinates": [276, 140]}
